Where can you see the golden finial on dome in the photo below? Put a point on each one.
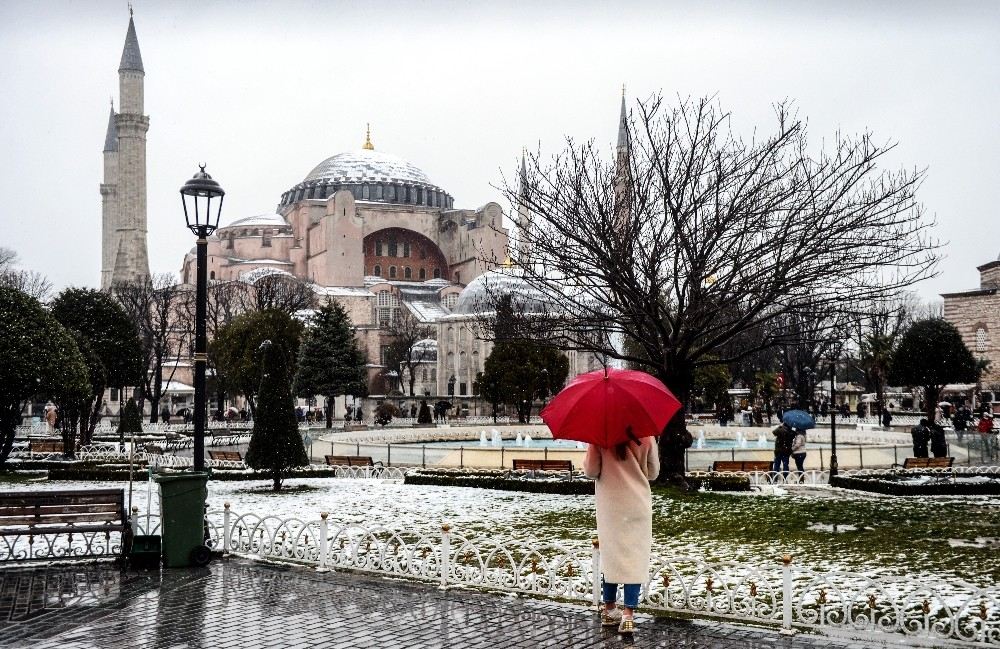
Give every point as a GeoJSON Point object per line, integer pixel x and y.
{"type": "Point", "coordinates": [368, 138]}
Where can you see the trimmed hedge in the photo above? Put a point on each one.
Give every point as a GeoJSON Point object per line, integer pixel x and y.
{"type": "Point", "coordinates": [92, 472]}
{"type": "Point", "coordinates": [945, 487]}
{"type": "Point", "coordinates": [498, 481]}
{"type": "Point", "coordinates": [720, 482]}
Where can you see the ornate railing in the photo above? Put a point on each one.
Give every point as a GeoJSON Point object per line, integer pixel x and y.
{"type": "Point", "coordinates": [780, 594]}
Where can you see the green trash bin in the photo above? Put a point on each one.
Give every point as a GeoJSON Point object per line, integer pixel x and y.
{"type": "Point", "coordinates": [182, 518]}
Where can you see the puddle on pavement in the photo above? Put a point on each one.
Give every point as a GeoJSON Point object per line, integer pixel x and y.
{"type": "Point", "coordinates": [991, 542]}
{"type": "Point", "coordinates": [836, 528]}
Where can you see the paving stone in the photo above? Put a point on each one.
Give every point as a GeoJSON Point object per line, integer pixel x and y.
{"type": "Point", "coordinates": [250, 605]}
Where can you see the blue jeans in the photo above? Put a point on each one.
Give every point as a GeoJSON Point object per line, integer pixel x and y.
{"type": "Point", "coordinates": [779, 461]}
{"type": "Point", "coordinates": [610, 592]}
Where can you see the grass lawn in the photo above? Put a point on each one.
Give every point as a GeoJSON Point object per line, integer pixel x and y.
{"type": "Point", "coordinates": [932, 536]}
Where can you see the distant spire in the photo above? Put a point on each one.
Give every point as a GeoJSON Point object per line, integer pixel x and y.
{"type": "Point", "coordinates": [111, 138]}
{"type": "Point", "coordinates": [368, 138]}
{"type": "Point", "coordinates": [623, 124]}
{"type": "Point", "coordinates": [131, 58]}
{"type": "Point", "coordinates": [524, 173]}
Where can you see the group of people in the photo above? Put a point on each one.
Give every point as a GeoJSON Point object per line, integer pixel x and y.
{"type": "Point", "coordinates": [789, 443]}
{"type": "Point", "coordinates": [925, 432]}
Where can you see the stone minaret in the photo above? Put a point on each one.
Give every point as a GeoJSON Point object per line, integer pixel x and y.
{"type": "Point", "coordinates": [131, 258]}
{"type": "Point", "coordinates": [109, 201]}
{"type": "Point", "coordinates": [523, 217]}
{"type": "Point", "coordinates": [622, 170]}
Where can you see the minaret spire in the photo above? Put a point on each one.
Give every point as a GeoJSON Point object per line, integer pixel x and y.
{"type": "Point", "coordinates": [623, 125]}
{"type": "Point", "coordinates": [523, 215]}
{"type": "Point", "coordinates": [131, 57]}
{"type": "Point", "coordinates": [111, 136]}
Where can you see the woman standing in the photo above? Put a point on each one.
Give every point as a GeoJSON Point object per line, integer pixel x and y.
{"type": "Point", "coordinates": [624, 521]}
{"type": "Point", "coordinates": [799, 451]}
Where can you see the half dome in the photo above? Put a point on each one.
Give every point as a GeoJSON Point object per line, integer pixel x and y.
{"type": "Point", "coordinates": [482, 293]}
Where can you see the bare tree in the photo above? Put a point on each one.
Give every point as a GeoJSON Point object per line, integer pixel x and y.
{"type": "Point", "coordinates": [30, 282]}
{"type": "Point", "coordinates": [802, 341]}
{"type": "Point", "coordinates": [280, 292]}
{"type": "Point", "coordinates": [642, 253]}
{"type": "Point", "coordinates": [156, 304]}
{"type": "Point", "coordinates": [404, 355]}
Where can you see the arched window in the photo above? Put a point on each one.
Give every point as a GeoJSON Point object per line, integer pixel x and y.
{"type": "Point", "coordinates": [211, 275]}
{"type": "Point", "coordinates": [406, 248]}
{"type": "Point", "coordinates": [407, 274]}
{"type": "Point", "coordinates": [392, 272]}
{"type": "Point", "coordinates": [475, 362]}
{"type": "Point", "coordinates": [458, 277]}
{"type": "Point", "coordinates": [265, 239]}
{"type": "Point", "coordinates": [437, 273]}
{"type": "Point", "coordinates": [982, 339]}
{"type": "Point", "coordinates": [377, 271]}
{"type": "Point", "coordinates": [378, 248]}
{"type": "Point", "coordinates": [434, 374]}
{"type": "Point", "coordinates": [423, 274]}
{"type": "Point", "coordinates": [450, 300]}
{"type": "Point", "coordinates": [423, 375]}
{"type": "Point", "coordinates": [393, 248]}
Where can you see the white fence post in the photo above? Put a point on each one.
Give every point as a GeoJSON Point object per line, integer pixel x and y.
{"type": "Point", "coordinates": [134, 519]}
{"type": "Point", "coordinates": [227, 530]}
{"type": "Point", "coordinates": [445, 554]}
{"type": "Point", "coordinates": [595, 567]}
{"type": "Point", "coordinates": [324, 529]}
{"type": "Point", "coordinates": [786, 594]}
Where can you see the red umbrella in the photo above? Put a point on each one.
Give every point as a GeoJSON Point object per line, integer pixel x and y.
{"type": "Point", "coordinates": [598, 406]}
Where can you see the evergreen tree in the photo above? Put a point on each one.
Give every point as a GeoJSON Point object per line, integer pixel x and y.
{"type": "Point", "coordinates": [235, 346]}
{"type": "Point", "coordinates": [113, 337]}
{"type": "Point", "coordinates": [38, 357]}
{"type": "Point", "coordinates": [519, 371]}
{"type": "Point", "coordinates": [275, 445]}
{"type": "Point", "coordinates": [330, 361]}
{"type": "Point", "coordinates": [931, 355]}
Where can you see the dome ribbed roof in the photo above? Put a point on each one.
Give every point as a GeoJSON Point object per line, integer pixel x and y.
{"type": "Point", "coordinates": [481, 294]}
{"type": "Point", "coordinates": [368, 166]}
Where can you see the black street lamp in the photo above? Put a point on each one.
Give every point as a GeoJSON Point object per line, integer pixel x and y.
{"type": "Point", "coordinates": [545, 386]}
{"type": "Point", "coordinates": [833, 416]}
{"type": "Point", "coordinates": [202, 217]}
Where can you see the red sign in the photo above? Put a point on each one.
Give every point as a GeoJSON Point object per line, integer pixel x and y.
{"type": "Point", "coordinates": [780, 380]}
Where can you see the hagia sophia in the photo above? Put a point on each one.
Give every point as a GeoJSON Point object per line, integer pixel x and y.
{"type": "Point", "coordinates": [375, 233]}
{"type": "Point", "coordinates": [364, 227]}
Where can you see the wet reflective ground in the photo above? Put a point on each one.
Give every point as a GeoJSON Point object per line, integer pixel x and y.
{"type": "Point", "coordinates": [248, 605]}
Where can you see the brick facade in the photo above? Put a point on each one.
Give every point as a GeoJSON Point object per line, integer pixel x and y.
{"type": "Point", "coordinates": [976, 315]}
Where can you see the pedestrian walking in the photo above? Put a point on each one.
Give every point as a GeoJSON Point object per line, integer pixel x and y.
{"type": "Point", "coordinates": [799, 451]}
{"type": "Point", "coordinates": [624, 521]}
{"type": "Point", "coordinates": [783, 436]}
{"type": "Point", "coordinates": [886, 418]}
{"type": "Point", "coordinates": [165, 415]}
{"type": "Point", "coordinates": [921, 435]}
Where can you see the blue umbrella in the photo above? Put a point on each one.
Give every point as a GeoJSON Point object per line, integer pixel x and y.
{"type": "Point", "coordinates": [798, 419]}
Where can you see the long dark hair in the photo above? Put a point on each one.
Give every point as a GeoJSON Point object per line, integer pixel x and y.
{"type": "Point", "coordinates": [622, 449]}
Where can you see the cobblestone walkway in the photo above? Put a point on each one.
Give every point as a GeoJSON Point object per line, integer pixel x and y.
{"type": "Point", "coordinates": [248, 605]}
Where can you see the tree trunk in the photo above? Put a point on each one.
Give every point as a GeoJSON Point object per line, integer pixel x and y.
{"type": "Point", "coordinates": [10, 417]}
{"type": "Point", "coordinates": [276, 478]}
{"type": "Point", "coordinates": [676, 439]}
{"type": "Point", "coordinates": [329, 411]}
{"type": "Point", "coordinates": [154, 407]}
{"type": "Point", "coordinates": [931, 394]}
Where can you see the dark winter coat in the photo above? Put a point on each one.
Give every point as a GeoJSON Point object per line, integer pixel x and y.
{"type": "Point", "coordinates": [921, 435]}
{"type": "Point", "coordinates": [938, 445]}
{"type": "Point", "coordinates": [783, 436]}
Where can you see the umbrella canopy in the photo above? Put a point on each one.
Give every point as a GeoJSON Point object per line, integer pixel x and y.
{"type": "Point", "coordinates": [598, 407]}
{"type": "Point", "coordinates": [798, 419]}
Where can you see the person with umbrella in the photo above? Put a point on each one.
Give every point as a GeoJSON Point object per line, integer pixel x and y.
{"type": "Point", "coordinates": [617, 412]}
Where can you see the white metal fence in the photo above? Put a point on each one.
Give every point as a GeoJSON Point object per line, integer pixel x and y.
{"type": "Point", "coordinates": [779, 594]}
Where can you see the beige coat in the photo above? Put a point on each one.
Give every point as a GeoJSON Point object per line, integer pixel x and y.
{"type": "Point", "coordinates": [624, 508]}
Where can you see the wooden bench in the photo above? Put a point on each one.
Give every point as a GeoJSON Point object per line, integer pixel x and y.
{"type": "Point", "coordinates": [748, 466]}
{"type": "Point", "coordinates": [928, 462]}
{"type": "Point", "coordinates": [543, 465]}
{"type": "Point", "coordinates": [86, 512]}
{"type": "Point", "coordinates": [45, 446]}
{"type": "Point", "coordinates": [349, 460]}
{"type": "Point", "coordinates": [226, 456]}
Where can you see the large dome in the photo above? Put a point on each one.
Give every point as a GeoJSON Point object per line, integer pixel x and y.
{"type": "Point", "coordinates": [481, 294]}
{"type": "Point", "coordinates": [371, 176]}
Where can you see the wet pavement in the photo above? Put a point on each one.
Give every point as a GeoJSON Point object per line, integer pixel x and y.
{"type": "Point", "coordinates": [237, 603]}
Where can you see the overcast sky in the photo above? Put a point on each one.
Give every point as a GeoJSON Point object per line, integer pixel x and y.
{"type": "Point", "coordinates": [263, 91]}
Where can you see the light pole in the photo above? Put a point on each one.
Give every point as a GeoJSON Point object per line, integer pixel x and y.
{"type": "Point", "coordinates": [833, 416]}
{"type": "Point", "coordinates": [202, 219]}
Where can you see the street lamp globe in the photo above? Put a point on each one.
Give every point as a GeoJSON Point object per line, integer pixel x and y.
{"type": "Point", "coordinates": [197, 194]}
